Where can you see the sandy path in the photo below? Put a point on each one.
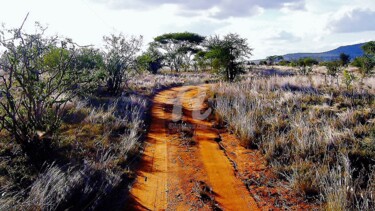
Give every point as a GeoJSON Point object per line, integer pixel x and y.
{"type": "Point", "coordinates": [150, 191]}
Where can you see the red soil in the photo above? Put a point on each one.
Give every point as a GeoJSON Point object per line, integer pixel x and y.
{"type": "Point", "coordinates": [195, 173]}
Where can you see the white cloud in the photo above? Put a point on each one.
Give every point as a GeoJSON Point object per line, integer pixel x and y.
{"type": "Point", "coordinates": [356, 20]}
{"type": "Point", "coordinates": [204, 27]}
{"type": "Point", "coordinates": [285, 36]}
{"type": "Point", "coordinates": [225, 8]}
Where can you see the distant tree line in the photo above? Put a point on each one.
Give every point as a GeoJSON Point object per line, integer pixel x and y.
{"type": "Point", "coordinates": [365, 63]}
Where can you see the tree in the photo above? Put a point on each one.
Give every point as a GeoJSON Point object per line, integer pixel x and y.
{"type": "Point", "coordinates": [120, 56]}
{"type": "Point", "coordinates": [344, 59]}
{"type": "Point", "coordinates": [178, 48]}
{"type": "Point", "coordinates": [305, 64]}
{"type": "Point", "coordinates": [284, 63]}
{"type": "Point", "coordinates": [201, 60]}
{"type": "Point", "coordinates": [366, 63]}
{"type": "Point", "coordinates": [38, 78]}
{"type": "Point", "coordinates": [231, 52]}
{"type": "Point", "coordinates": [150, 60]}
{"type": "Point", "coordinates": [272, 59]}
{"type": "Point", "coordinates": [369, 48]}
{"type": "Point", "coordinates": [90, 59]}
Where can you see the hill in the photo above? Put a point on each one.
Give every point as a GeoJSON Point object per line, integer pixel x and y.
{"type": "Point", "coordinates": [352, 50]}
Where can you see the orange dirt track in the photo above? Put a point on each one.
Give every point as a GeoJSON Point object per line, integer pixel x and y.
{"type": "Point", "coordinates": [165, 178]}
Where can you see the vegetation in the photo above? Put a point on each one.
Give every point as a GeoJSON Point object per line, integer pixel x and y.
{"type": "Point", "coordinates": [333, 69]}
{"type": "Point", "coordinates": [344, 59]}
{"type": "Point", "coordinates": [73, 118]}
{"type": "Point", "coordinates": [366, 63]}
{"type": "Point", "coordinates": [151, 60]}
{"type": "Point", "coordinates": [284, 63]}
{"type": "Point", "coordinates": [349, 78]}
{"type": "Point", "coordinates": [201, 60]}
{"type": "Point", "coordinates": [229, 52]}
{"type": "Point", "coordinates": [272, 59]}
{"type": "Point", "coordinates": [263, 62]}
{"type": "Point", "coordinates": [40, 77]}
{"type": "Point", "coordinates": [119, 59]}
{"type": "Point", "coordinates": [319, 141]}
{"type": "Point", "coordinates": [305, 65]}
{"type": "Point", "coordinates": [63, 143]}
{"type": "Point", "coordinates": [178, 48]}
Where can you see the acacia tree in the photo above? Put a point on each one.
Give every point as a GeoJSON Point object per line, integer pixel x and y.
{"type": "Point", "coordinates": [230, 52]}
{"type": "Point", "coordinates": [201, 60]}
{"type": "Point", "coordinates": [120, 56]}
{"type": "Point", "coordinates": [272, 59]}
{"type": "Point", "coordinates": [178, 48]}
{"type": "Point", "coordinates": [151, 60]}
{"type": "Point", "coordinates": [38, 78]}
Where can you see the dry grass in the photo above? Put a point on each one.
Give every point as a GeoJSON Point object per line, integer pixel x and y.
{"type": "Point", "coordinates": [149, 84]}
{"type": "Point", "coordinates": [318, 137]}
{"type": "Point", "coordinates": [96, 148]}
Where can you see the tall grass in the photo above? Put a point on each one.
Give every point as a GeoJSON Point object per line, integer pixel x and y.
{"type": "Point", "coordinates": [317, 136]}
{"type": "Point", "coordinates": [96, 167]}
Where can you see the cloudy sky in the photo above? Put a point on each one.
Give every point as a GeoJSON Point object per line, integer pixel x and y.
{"type": "Point", "coordinates": [271, 26]}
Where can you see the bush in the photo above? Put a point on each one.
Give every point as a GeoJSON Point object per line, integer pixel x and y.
{"type": "Point", "coordinates": [365, 65]}
{"type": "Point", "coordinates": [305, 65]}
{"type": "Point", "coordinates": [39, 79]}
{"type": "Point", "coordinates": [119, 59]}
{"type": "Point", "coordinates": [150, 61]}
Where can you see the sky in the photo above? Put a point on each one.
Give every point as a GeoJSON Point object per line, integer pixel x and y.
{"type": "Point", "coordinates": [272, 27]}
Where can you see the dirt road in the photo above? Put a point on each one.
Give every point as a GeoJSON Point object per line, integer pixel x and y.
{"type": "Point", "coordinates": [176, 174]}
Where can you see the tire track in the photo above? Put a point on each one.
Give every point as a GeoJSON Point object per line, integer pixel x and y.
{"type": "Point", "coordinates": [150, 191]}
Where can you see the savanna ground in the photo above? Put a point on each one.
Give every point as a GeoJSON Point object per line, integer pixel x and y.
{"type": "Point", "coordinates": [295, 142]}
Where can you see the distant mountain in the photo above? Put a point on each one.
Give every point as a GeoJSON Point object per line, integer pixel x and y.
{"type": "Point", "coordinates": [352, 50]}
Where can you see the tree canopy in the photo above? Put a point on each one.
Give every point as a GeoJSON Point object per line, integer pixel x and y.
{"type": "Point", "coordinates": [369, 48]}
{"type": "Point", "coordinates": [179, 38]}
{"type": "Point", "coordinates": [151, 60]}
{"type": "Point", "coordinates": [230, 52]}
{"type": "Point", "coordinates": [272, 59]}
{"type": "Point", "coordinates": [178, 48]}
